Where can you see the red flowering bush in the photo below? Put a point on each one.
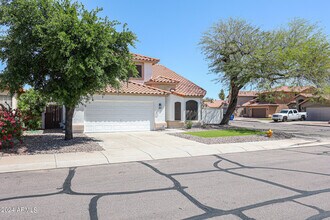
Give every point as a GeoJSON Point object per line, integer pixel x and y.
{"type": "Point", "coordinates": [10, 127]}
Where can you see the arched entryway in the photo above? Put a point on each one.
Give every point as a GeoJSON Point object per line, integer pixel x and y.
{"type": "Point", "coordinates": [191, 110]}
{"type": "Point", "coordinates": [177, 111]}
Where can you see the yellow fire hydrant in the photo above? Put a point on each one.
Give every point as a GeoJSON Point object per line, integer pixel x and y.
{"type": "Point", "coordinates": [269, 133]}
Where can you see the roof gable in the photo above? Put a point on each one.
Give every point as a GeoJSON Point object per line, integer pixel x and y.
{"type": "Point", "coordinates": [135, 88]}
{"type": "Point", "coordinates": [247, 93]}
{"type": "Point", "coordinates": [142, 58]}
{"type": "Point", "coordinates": [184, 86]}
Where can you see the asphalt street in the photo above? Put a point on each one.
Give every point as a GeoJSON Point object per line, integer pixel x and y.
{"type": "Point", "coordinates": [276, 184]}
{"type": "Point", "coordinates": [304, 130]}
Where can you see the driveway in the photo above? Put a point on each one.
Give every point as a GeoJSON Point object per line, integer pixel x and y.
{"type": "Point", "coordinates": [150, 145]}
{"type": "Point", "coordinates": [138, 146]}
{"type": "Point", "coordinates": [277, 184]}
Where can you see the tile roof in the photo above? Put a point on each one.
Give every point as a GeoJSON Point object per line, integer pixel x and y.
{"type": "Point", "coordinates": [247, 93]}
{"type": "Point", "coordinates": [255, 102]}
{"type": "Point", "coordinates": [184, 87]}
{"type": "Point", "coordinates": [325, 98]}
{"type": "Point", "coordinates": [261, 104]}
{"type": "Point", "coordinates": [215, 103]}
{"type": "Point", "coordinates": [292, 102]}
{"type": "Point", "coordinates": [135, 88]}
{"type": "Point", "coordinates": [291, 89]}
{"type": "Point", "coordinates": [306, 95]}
{"type": "Point", "coordinates": [138, 57]}
{"type": "Point", "coordinates": [162, 79]}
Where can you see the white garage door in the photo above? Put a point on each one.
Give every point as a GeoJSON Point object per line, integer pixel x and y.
{"type": "Point", "coordinates": [318, 113]}
{"type": "Point", "coordinates": [110, 116]}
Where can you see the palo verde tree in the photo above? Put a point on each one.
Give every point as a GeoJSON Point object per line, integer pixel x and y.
{"type": "Point", "coordinates": [242, 54]}
{"type": "Point", "coordinates": [62, 50]}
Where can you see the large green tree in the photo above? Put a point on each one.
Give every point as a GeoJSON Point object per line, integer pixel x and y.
{"type": "Point", "coordinates": [62, 50]}
{"type": "Point", "coordinates": [242, 54]}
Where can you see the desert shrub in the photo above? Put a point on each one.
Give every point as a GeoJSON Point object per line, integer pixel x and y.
{"type": "Point", "coordinates": [189, 124]}
{"type": "Point", "coordinates": [10, 127]}
{"type": "Point", "coordinates": [32, 105]}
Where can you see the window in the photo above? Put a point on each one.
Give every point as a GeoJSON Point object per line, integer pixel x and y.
{"type": "Point", "coordinates": [295, 111]}
{"type": "Point", "coordinates": [191, 110]}
{"type": "Point", "coordinates": [139, 68]}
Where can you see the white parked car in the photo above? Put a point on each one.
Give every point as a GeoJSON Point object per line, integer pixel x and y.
{"type": "Point", "coordinates": [289, 115]}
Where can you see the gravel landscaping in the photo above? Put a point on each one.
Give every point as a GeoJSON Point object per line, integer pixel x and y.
{"type": "Point", "coordinates": [52, 141]}
{"type": "Point", "coordinates": [232, 139]}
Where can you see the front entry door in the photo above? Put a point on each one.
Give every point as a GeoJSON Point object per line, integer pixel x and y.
{"type": "Point", "coordinates": [177, 115]}
{"type": "Point", "coordinates": [53, 116]}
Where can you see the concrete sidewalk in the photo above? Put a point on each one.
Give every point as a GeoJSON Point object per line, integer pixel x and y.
{"type": "Point", "coordinates": [123, 147]}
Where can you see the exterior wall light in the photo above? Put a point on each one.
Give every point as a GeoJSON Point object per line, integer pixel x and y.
{"type": "Point", "coordinates": [160, 106]}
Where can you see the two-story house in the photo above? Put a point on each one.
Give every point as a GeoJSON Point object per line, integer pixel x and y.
{"type": "Point", "coordinates": [243, 97]}
{"type": "Point", "coordinates": [270, 102]}
{"type": "Point", "coordinates": [157, 98]}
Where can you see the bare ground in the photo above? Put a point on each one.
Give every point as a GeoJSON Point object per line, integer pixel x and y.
{"type": "Point", "coordinates": [52, 141]}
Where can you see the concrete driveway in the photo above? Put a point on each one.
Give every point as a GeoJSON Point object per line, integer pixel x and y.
{"type": "Point", "coordinates": [133, 146]}
{"type": "Point", "coordinates": [140, 146]}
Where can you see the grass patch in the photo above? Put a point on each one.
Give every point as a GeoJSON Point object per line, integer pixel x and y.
{"type": "Point", "coordinates": [266, 119]}
{"type": "Point", "coordinates": [224, 133]}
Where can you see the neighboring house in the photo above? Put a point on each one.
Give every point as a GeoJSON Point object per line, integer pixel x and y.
{"type": "Point", "coordinates": [216, 104]}
{"type": "Point", "coordinates": [243, 97]}
{"type": "Point", "coordinates": [213, 111]}
{"type": "Point", "coordinates": [5, 97]}
{"type": "Point", "coordinates": [157, 98]}
{"type": "Point", "coordinates": [282, 97]}
{"type": "Point", "coordinates": [317, 108]}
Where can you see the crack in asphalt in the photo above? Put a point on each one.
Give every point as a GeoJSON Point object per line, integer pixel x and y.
{"type": "Point", "coordinates": [209, 211]}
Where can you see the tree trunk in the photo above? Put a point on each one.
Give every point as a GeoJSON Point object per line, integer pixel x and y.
{"type": "Point", "coordinates": [68, 122]}
{"type": "Point", "coordinates": [232, 104]}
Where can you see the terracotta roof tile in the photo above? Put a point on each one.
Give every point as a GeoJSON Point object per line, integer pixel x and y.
{"type": "Point", "coordinates": [136, 88]}
{"type": "Point", "coordinates": [184, 87]}
{"type": "Point", "coordinates": [291, 89]}
{"type": "Point", "coordinates": [215, 103]}
{"type": "Point", "coordinates": [261, 104]}
{"type": "Point", "coordinates": [162, 79]}
{"type": "Point", "coordinates": [306, 95]}
{"type": "Point", "coordinates": [247, 93]}
{"type": "Point", "coordinates": [255, 102]}
{"type": "Point", "coordinates": [143, 58]}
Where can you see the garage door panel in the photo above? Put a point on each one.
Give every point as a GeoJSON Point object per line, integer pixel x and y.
{"type": "Point", "coordinates": [107, 116]}
{"type": "Point", "coordinates": [259, 113]}
{"type": "Point", "coordinates": [318, 113]}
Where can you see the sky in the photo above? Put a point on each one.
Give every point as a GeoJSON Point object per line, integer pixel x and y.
{"type": "Point", "coordinates": [171, 29]}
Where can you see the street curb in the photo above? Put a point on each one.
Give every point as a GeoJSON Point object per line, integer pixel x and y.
{"type": "Point", "coordinates": [34, 162]}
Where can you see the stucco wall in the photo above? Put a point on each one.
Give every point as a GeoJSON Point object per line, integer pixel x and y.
{"type": "Point", "coordinates": [159, 113]}
{"type": "Point", "coordinates": [212, 115]}
{"type": "Point", "coordinates": [243, 99]}
{"type": "Point", "coordinates": [12, 100]}
{"type": "Point", "coordinates": [147, 73]}
{"type": "Point", "coordinates": [170, 110]}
